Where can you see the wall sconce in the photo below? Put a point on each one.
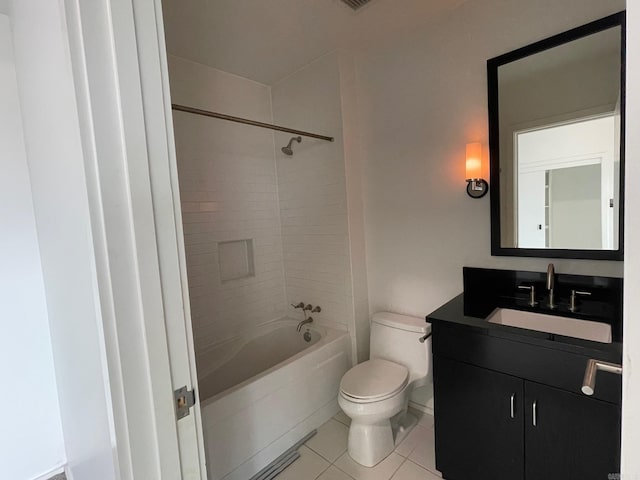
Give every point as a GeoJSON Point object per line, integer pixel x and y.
{"type": "Point", "coordinates": [476, 186]}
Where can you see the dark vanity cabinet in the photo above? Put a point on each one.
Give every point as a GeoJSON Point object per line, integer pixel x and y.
{"type": "Point", "coordinates": [496, 418]}
{"type": "Point", "coordinates": [573, 436]}
{"type": "Point", "coordinates": [479, 435]}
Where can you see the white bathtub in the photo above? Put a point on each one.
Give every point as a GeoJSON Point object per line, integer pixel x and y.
{"type": "Point", "coordinates": [264, 391]}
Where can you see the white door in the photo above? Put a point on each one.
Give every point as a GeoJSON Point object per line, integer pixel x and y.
{"type": "Point", "coordinates": [579, 155]}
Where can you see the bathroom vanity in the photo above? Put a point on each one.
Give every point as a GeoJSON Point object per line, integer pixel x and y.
{"type": "Point", "coordinates": [516, 355]}
{"type": "Point", "coordinates": [509, 401]}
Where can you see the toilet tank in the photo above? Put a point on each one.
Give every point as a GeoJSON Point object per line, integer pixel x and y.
{"type": "Point", "coordinates": [397, 337]}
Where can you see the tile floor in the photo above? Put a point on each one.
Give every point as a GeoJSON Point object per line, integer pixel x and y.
{"type": "Point", "coordinates": [325, 457]}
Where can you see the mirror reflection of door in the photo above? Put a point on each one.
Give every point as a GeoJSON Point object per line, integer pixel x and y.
{"type": "Point", "coordinates": [565, 182]}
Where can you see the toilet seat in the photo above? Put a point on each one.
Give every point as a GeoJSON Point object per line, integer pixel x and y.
{"type": "Point", "coordinates": [373, 381]}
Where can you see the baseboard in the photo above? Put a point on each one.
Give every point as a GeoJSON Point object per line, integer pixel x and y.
{"type": "Point", "coordinates": [57, 473]}
{"type": "Point", "coordinates": [421, 408]}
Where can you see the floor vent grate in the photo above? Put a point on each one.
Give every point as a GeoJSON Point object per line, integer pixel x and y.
{"type": "Point", "coordinates": [356, 4]}
{"type": "Point", "coordinates": [276, 467]}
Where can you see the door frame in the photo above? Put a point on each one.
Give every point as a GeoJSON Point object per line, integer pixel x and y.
{"type": "Point", "coordinates": [121, 82]}
{"type": "Point", "coordinates": [631, 346]}
{"type": "Point", "coordinates": [165, 198]}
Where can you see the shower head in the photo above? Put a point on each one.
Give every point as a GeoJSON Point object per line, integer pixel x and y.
{"type": "Point", "coordinates": [288, 150]}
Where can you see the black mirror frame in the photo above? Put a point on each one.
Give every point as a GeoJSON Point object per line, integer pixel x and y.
{"type": "Point", "coordinates": [611, 21]}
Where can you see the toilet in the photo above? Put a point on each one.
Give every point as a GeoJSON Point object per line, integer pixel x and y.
{"type": "Point", "coordinates": [375, 394]}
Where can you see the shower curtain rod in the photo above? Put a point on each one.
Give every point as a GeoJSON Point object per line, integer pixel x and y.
{"type": "Point", "coordinates": [222, 116]}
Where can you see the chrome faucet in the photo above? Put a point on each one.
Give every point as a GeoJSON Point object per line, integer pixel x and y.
{"type": "Point", "coordinates": [532, 294]}
{"type": "Point", "coordinates": [304, 322]}
{"type": "Point", "coordinates": [573, 302]}
{"type": "Point", "coordinates": [551, 281]}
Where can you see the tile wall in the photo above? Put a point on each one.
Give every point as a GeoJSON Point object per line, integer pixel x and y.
{"type": "Point", "coordinates": [229, 192]}
{"type": "Point", "coordinates": [237, 186]}
{"type": "Point", "coordinates": [312, 190]}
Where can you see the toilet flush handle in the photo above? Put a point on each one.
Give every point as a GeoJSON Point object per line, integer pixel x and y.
{"type": "Point", "coordinates": [424, 339]}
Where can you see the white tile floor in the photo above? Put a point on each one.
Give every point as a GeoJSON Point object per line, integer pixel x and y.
{"type": "Point", "coordinates": [325, 457]}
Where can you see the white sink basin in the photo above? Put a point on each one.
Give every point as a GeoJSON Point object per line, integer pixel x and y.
{"type": "Point", "coordinates": [569, 327]}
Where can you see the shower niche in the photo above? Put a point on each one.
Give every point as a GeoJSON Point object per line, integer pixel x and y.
{"type": "Point", "coordinates": [235, 260]}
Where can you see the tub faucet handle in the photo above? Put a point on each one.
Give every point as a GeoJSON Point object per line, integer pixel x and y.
{"type": "Point", "coordinates": [308, 307]}
{"type": "Point", "coordinates": [316, 309]}
{"type": "Point", "coordinates": [299, 305]}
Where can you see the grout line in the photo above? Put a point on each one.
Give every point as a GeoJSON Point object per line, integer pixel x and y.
{"type": "Point", "coordinates": [396, 470]}
{"type": "Point", "coordinates": [341, 469]}
{"type": "Point", "coordinates": [399, 467]}
{"type": "Point", "coordinates": [322, 472]}
{"type": "Point", "coordinates": [404, 459]}
{"type": "Point", "coordinates": [340, 421]}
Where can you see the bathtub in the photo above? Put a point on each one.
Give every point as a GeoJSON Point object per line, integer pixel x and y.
{"type": "Point", "coordinates": [263, 391]}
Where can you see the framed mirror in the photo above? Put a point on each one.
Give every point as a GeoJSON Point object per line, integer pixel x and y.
{"type": "Point", "coordinates": [556, 137]}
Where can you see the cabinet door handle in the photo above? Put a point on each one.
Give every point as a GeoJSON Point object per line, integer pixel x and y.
{"type": "Point", "coordinates": [513, 405]}
{"type": "Point", "coordinates": [589, 382]}
{"type": "Point", "coordinates": [535, 413]}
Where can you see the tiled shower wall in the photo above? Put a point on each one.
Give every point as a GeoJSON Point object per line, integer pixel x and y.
{"type": "Point", "coordinates": [228, 192]}
{"type": "Point", "coordinates": [294, 217]}
{"type": "Point", "coordinates": [312, 189]}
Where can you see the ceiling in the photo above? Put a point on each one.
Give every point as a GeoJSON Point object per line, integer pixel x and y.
{"type": "Point", "coordinates": [592, 48]}
{"type": "Point", "coordinates": [265, 40]}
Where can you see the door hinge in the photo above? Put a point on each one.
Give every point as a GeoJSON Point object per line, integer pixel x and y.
{"type": "Point", "coordinates": [184, 400]}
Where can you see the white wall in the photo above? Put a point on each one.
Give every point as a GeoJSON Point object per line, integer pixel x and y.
{"type": "Point", "coordinates": [532, 93]}
{"type": "Point", "coordinates": [228, 192]}
{"type": "Point", "coordinates": [631, 353]}
{"type": "Point", "coordinates": [31, 443]}
{"type": "Point", "coordinates": [60, 200]}
{"type": "Point", "coordinates": [420, 104]}
{"type": "Point", "coordinates": [422, 97]}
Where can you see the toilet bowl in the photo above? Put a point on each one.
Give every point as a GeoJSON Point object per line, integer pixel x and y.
{"type": "Point", "coordinates": [375, 394]}
{"type": "Point", "coordinates": [371, 394]}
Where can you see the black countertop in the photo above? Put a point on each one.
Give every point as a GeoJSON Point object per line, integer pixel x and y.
{"type": "Point", "coordinates": [458, 314]}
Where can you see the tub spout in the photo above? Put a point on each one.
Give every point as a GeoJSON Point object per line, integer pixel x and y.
{"type": "Point", "coordinates": [304, 322]}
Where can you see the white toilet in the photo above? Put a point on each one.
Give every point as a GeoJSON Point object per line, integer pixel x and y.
{"type": "Point", "coordinates": [375, 394]}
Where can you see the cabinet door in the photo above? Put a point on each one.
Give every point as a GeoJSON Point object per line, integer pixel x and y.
{"type": "Point", "coordinates": [569, 435]}
{"type": "Point", "coordinates": [478, 422]}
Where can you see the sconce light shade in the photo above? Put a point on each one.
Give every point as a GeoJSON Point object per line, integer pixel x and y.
{"type": "Point", "coordinates": [474, 160]}
{"type": "Point", "coordinates": [476, 186]}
